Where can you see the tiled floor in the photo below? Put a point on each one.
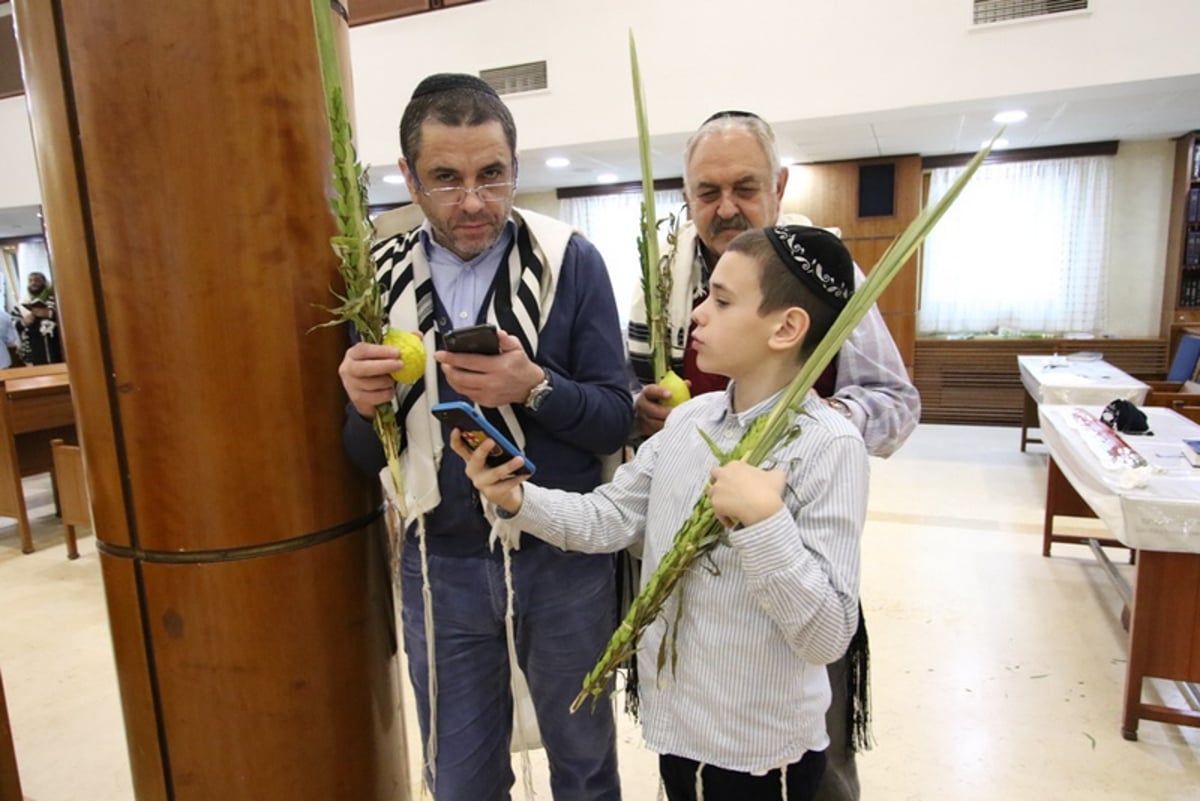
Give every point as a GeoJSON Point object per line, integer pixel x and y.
{"type": "Point", "coordinates": [998, 674]}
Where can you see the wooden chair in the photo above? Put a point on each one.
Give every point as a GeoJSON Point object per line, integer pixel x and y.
{"type": "Point", "coordinates": [70, 487]}
{"type": "Point", "coordinates": [1190, 412]}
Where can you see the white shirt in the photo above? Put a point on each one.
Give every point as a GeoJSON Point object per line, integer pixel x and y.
{"type": "Point", "coordinates": [762, 617]}
{"type": "Point", "coordinates": [8, 339]}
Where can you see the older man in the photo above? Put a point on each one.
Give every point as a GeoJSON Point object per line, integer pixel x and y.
{"type": "Point", "coordinates": [733, 181]}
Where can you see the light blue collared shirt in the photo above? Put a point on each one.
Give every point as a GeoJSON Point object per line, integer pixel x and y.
{"type": "Point", "coordinates": [462, 286]}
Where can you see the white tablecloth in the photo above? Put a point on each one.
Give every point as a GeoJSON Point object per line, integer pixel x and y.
{"type": "Point", "coordinates": [1155, 508]}
{"type": "Point", "coordinates": [1060, 380]}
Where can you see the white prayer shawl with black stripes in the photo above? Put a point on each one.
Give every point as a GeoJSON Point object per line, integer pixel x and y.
{"type": "Point", "coordinates": [520, 304]}
{"type": "Point", "coordinates": [687, 286]}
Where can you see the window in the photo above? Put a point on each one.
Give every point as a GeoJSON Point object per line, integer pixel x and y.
{"type": "Point", "coordinates": [1023, 249]}
{"type": "Point", "coordinates": [611, 222]}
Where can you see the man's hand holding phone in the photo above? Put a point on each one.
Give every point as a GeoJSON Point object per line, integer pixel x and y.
{"type": "Point", "coordinates": [495, 380]}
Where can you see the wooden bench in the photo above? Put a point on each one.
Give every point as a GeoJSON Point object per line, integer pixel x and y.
{"type": "Point", "coordinates": [70, 487]}
{"type": "Point", "coordinates": [35, 407]}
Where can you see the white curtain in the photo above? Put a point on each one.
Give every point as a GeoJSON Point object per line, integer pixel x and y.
{"type": "Point", "coordinates": [1023, 249]}
{"type": "Point", "coordinates": [611, 223]}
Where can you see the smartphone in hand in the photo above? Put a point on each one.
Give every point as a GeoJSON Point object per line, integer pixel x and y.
{"type": "Point", "coordinates": [475, 429]}
{"type": "Point", "coordinates": [481, 339]}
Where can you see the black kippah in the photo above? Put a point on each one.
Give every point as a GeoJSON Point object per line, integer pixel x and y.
{"type": "Point", "coordinates": [721, 115]}
{"type": "Point", "coordinates": [445, 81]}
{"type": "Point", "coordinates": [818, 258]}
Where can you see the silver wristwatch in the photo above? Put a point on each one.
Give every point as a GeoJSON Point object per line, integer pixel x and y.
{"type": "Point", "coordinates": [539, 393]}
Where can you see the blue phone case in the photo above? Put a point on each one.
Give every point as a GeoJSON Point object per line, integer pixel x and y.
{"type": "Point", "coordinates": [463, 416]}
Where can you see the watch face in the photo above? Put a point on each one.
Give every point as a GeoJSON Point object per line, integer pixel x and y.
{"type": "Point", "coordinates": [539, 392]}
{"type": "Point", "coordinates": [536, 397]}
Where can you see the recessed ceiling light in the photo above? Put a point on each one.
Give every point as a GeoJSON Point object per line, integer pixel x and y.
{"type": "Point", "coordinates": [1005, 117]}
{"type": "Point", "coordinates": [1000, 143]}
{"type": "Point", "coordinates": [558, 161]}
{"type": "Point", "coordinates": [393, 178]}
{"type": "Point", "coordinates": [606, 178]}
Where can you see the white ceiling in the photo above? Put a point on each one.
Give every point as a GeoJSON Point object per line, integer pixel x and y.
{"type": "Point", "coordinates": [1144, 110]}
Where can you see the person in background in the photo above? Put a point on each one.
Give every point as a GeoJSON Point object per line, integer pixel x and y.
{"type": "Point", "coordinates": [10, 340]}
{"type": "Point", "coordinates": [38, 324]}
{"type": "Point", "coordinates": [741, 715]}
{"type": "Point", "coordinates": [734, 181]}
{"type": "Point", "coordinates": [558, 389]}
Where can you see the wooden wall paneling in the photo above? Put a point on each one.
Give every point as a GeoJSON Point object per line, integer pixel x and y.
{"type": "Point", "coordinates": [191, 263]}
{"type": "Point", "coordinates": [363, 12]}
{"type": "Point", "coordinates": [977, 382]}
{"type": "Point", "coordinates": [10, 68]}
{"type": "Point", "coordinates": [1172, 313]}
{"type": "Point", "coordinates": [366, 11]}
{"type": "Point", "coordinates": [828, 194]}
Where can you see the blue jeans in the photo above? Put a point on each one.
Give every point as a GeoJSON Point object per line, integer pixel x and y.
{"type": "Point", "coordinates": [564, 611]}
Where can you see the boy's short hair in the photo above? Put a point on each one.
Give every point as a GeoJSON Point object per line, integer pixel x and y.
{"type": "Point", "coordinates": [800, 266]}
{"type": "Point", "coordinates": [453, 99]}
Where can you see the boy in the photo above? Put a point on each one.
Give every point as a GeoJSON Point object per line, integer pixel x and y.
{"type": "Point", "coordinates": [745, 704]}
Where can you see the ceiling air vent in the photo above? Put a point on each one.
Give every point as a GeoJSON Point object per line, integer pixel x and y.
{"type": "Point", "coordinates": [517, 78]}
{"type": "Point", "coordinates": [1001, 10]}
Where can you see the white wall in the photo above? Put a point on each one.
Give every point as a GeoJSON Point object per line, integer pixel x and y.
{"type": "Point", "coordinates": [1137, 240]}
{"type": "Point", "coordinates": [18, 170]}
{"type": "Point", "coordinates": [786, 59]}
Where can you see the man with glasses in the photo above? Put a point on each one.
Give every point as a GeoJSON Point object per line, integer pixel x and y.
{"type": "Point", "coordinates": [557, 388]}
{"type": "Point", "coordinates": [733, 181]}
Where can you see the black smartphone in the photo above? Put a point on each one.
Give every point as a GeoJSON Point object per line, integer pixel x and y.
{"type": "Point", "coordinates": [481, 339]}
{"type": "Point", "coordinates": [475, 429]}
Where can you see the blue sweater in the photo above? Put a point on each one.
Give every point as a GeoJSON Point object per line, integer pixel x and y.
{"type": "Point", "coordinates": [590, 411]}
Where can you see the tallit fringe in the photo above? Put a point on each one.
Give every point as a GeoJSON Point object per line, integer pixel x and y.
{"type": "Point", "coordinates": [858, 689]}
{"type": "Point", "coordinates": [513, 667]}
{"type": "Point", "coordinates": [427, 596]}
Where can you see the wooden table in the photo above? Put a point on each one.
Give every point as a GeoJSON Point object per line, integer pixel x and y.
{"type": "Point", "coordinates": [35, 407]}
{"type": "Point", "coordinates": [1157, 512]}
{"type": "Point", "coordinates": [1057, 380]}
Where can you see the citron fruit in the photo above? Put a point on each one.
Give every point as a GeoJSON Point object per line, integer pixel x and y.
{"type": "Point", "coordinates": [678, 388]}
{"type": "Point", "coordinates": [412, 353]}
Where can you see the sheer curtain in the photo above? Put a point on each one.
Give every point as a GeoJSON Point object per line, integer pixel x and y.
{"type": "Point", "coordinates": [611, 223]}
{"type": "Point", "coordinates": [1024, 248]}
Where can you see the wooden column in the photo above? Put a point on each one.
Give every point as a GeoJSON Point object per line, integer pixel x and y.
{"type": "Point", "coordinates": [10, 780]}
{"type": "Point", "coordinates": [183, 153]}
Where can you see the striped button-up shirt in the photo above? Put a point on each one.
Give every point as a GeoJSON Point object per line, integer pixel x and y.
{"type": "Point", "coordinates": [765, 613]}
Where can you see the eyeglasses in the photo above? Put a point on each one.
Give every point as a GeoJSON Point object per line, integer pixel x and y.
{"type": "Point", "coordinates": [457, 195]}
